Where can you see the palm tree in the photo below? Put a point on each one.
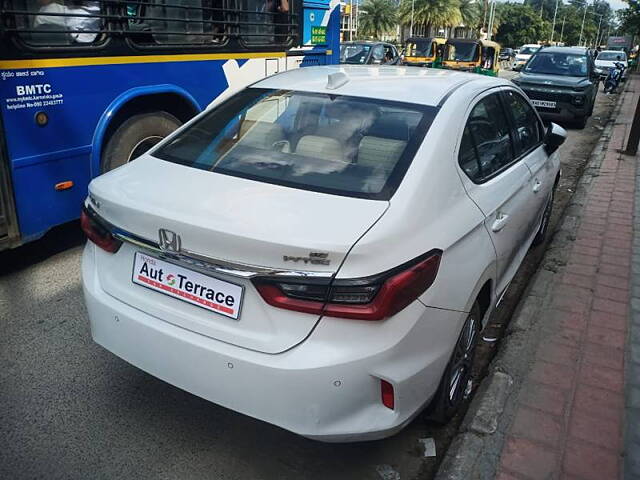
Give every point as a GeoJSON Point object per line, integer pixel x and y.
{"type": "Point", "coordinates": [470, 12]}
{"type": "Point", "coordinates": [436, 13]}
{"type": "Point", "coordinates": [377, 17]}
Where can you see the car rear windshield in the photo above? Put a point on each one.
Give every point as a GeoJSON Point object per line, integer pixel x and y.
{"type": "Point", "coordinates": [335, 144]}
{"type": "Point", "coordinates": [612, 56]}
{"type": "Point", "coordinates": [528, 50]}
{"type": "Point", "coordinates": [557, 63]}
{"type": "Point", "coordinates": [354, 54]}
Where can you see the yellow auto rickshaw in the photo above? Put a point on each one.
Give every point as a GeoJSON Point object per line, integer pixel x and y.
{"type": "Point", "coordinates": [477, 56]}
{"type": "Point", "coordinates": [424, 52]}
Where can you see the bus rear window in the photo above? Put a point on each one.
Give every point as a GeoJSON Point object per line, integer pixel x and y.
{"type": "Point", "coordinates": [59, 22]}
{"type": "Point", "coordinates": [335, 144]}
{"type": "Point", "coordinates": [210, 22]}
{"type": "Point", "coordinates": [152, 22]}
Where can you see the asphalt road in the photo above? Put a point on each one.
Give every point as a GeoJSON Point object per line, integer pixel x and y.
{"type": "Point", "coordinates": [69, 409]}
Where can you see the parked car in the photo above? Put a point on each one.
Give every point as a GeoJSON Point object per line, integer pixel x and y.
{"type": "Point", "coordinates": [369, 53]}
{"type": "Point", "coordinates": [562, 84]}
{"type": "Point", "coordinates": [524, 54]}
{"type": "Point", "coordinates": [321, 251]}
{"type": "Point", "coordinates": [607, 59]}
{"type": "Point", "coordinates": [506, 54]}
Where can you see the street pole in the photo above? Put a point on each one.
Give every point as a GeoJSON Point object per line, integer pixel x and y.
{"type": "Point", "coordinates": [350, 20]}
{"type": "Point", "coordinates": [485, 4]}
{"type": "Point", "coordinates": [357, 17]}
{"type": "Point", "coordinates": [586, 7]}
{"type": "Point", "coordinates": [598, 35]}
{"type": "Point", "coordinates": [553, 27]}
{"type": "Point", "coordinates": [562, 30]}
{"type": "Point", "coordinates": [492, 7]}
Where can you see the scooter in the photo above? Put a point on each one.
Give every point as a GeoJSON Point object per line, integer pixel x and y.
{"type": "Point", "coordinates": [613, 77]}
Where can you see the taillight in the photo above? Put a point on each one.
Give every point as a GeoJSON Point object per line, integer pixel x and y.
{"type": "Point", "coordinates": [370, 298]}
{"type": "Point", "coordinates": [97, 232]}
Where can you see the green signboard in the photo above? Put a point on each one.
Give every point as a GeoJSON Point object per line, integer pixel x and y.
{"type": "Point", "coordinates": [318, 35]}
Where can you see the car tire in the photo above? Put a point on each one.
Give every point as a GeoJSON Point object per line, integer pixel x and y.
{"type": "Point", "coordinates": [135, 136]}
{"type": "Point", "coordinates": [581, 122]}
{"type": "Point", "coordinates": [453, 390]}
{"type": "Point", "coordinates": [543, 231]}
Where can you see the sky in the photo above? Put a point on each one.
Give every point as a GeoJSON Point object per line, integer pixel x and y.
{"type": "Point", "coordinates": [615, 4]}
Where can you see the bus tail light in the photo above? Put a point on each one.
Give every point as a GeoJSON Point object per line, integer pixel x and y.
{"type": "Point", "coordinates": [370, 298]}
{"type": "Point", "coordinates": [97, 232]}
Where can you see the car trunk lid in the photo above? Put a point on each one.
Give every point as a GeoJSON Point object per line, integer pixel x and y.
{"type": "Point", "coordinates": [230, 221]}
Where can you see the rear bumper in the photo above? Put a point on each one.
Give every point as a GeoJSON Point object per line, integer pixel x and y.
{"type": "Point", "coordinates": [326, 388]}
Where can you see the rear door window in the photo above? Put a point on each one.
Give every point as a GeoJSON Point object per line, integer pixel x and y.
{"type": "Point", "coordinates": [528, 130]}
{"type": "Point", "coordinates": [487, 138]}
{"type": "Point", "coordinates": [328, 143]}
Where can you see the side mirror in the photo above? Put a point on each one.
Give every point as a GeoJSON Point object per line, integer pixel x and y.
{"type": "Point", "coordinates": [556, 135]}
{"type": "Point", "coordinates": [517, 68]}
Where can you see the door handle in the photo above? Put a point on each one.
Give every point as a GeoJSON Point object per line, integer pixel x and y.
{"type": "Point", "coordinates": [537, 186]}
{"type": "Point", "coordinates": [500, 222]}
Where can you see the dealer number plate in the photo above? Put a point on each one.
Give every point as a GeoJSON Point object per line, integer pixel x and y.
{"type": "Point", "coordinates": [543, 103]}
{"type": "Point", "coordinates": [192, 287]}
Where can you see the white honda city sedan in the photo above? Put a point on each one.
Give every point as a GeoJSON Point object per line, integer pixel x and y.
{"type": "Point", "coordinates": [321, 250]}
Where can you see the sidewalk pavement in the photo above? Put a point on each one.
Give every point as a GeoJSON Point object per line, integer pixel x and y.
{"type": "Point", "coordinates": [577, 414]}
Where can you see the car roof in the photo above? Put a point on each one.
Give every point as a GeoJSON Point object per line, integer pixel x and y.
{"type": "Point", "coordinates": [425, 86]}
{"type": "Point", "coordinates": [576, 50]}
{"type": "Point", "coordinates": [425, 39]}
{"type": "Point", "coordinates": [617, 52]}
{"type": "Point", "coordinates": [364, 42]}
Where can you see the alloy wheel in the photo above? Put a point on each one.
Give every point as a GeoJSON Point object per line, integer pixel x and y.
{"type": "Point", "coordinates": [462, 362]}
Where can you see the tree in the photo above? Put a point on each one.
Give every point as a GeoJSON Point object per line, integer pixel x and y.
{"type": "Point", "coordinates": [548, 7]}
{"type": "Point", "coordinates": [437, 13]}
{"type": "Point", "coordinates": [520, 24]}
{"type": "Point", "coordinates": [470, 13]}
{"type": "Point", "coordinates": [630, 18]}
{"type": "Point", "coordinates": [377, 17]}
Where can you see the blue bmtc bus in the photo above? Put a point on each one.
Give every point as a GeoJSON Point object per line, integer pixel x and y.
{"type": "Point", "coordinates": [86, 85]}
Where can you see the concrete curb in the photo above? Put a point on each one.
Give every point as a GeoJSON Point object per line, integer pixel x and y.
{"type": "Point", "coordinates": [632, 355]}
{"type": "Point", "coordinates": [475, 451]}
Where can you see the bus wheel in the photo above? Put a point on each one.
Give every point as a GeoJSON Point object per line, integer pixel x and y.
{"type": "Point", "coordinates": [135, 136]}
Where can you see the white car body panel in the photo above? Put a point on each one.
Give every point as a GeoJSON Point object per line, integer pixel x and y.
{"type": "Point", "coordinates": [233, 219]}
{"type": "Point", "coordinates": [465, 241]}
{"type": "Point", "coordinates": [326, 388]}
{"type": "Point", "coordinates": [608, 64]}
{"type": "Point", "coordinates": [521, 58]}
{"type": "Point", "coordinates": [315, 375]}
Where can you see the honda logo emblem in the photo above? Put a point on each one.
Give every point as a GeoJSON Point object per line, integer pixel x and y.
{"type": "Point", "coordinates": [169, 241]}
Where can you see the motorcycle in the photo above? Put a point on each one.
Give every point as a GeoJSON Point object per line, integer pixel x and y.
{"type": "Point", "coordinates": [613, 77]}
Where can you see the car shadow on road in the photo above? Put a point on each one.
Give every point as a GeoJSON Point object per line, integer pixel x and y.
{"type": "Point", "coordinates": [55, 241]}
